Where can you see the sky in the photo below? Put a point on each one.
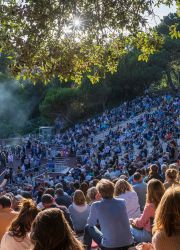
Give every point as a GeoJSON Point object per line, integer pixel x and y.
{"type": "Point", "coordinates": [161, 12]}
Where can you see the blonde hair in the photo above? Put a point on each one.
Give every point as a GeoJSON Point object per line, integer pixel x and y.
{"type": "Point", "coordinates": [91, 194]}
{"type": "Point", "coordinates": [79, 198]}
{"type": "Point", "coordinates": [172, 174]}
{"type": "Point", "coordinates": [105, 188]}
{"type": "Point", "coordinates": [167, 217]}
{"type": "Point", "coordinates": [121, 187]}
{"type": "Point", "coordinates": [155, 191]}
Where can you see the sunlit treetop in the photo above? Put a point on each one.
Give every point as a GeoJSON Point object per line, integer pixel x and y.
{"type": "Point", "coordinates": [74, 38]}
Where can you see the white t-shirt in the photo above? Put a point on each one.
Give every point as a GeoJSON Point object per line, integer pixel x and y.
{"type": "Point", "coordinates": [132, 204]}
{"type": "Point", "coordinates": [10, 243]}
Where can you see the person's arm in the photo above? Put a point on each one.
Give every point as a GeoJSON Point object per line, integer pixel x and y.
{"type": "Point", "coordinates": [67, 216]}
{"type": "Point", "coordinates": [3, 183]}
{"type": "Point", "coordinates": [144, 246]}
{"type": "Point", "coordinates": [145, 217]}
{"type": "Point", "coordinates": [92, 219]}
{"type": "Point", "coordinates": [4, 180]}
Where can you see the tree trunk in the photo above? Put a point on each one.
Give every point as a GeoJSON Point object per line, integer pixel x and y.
{"type": "Point", "coordinates": [170, 81]}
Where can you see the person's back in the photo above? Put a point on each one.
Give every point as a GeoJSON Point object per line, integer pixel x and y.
{"type": "Point", "coordinates": [111, 214]}
{"type": "Point", "coordinates": [132, 203]}
{"type": "Point", "coordinates": [63, 199]}
{"type": "Point", "coordinates": [7, 215]}
{"type": "Point", "coordinates": [79, 215]}
{"type": "Point", "coordinates": [49, 202]}
{"type": "Point", "coordinates": [162, 242]}
{"type": "Point", "coordinates": [12, 243]}
{"type": "Point", "coordinates": [141, 190]}
{"type": "Point", "coordinates": [17, 236]}
{"type": "Point", "coordinates": [113, 220]}
{"type": "Point", "coordinates": [167, 220]}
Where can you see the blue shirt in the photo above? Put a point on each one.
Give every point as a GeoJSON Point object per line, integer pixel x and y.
{"type": "Point", "coordinates": [141, 190]}
{"type": "Point", "coordinates": [113, 220]}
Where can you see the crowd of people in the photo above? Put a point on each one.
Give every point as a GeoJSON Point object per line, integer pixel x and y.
{"type": "Point", "coordinates": [123, 191]}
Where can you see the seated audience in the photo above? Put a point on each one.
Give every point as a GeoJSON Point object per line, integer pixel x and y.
{"type": "Point", "coordinates": [49, 202]}
{"type": "Point", "coordinates": [16, 237]}
{"type": "Point", "coordinates": [141, 228]}
{"type": "Point", "coordinates": [62, 198]}
{"type": "Point", "coordinates": [7, 215]}
{"type": "Point", "coordinates": [167, 221]}
{"type": "Point", "coordinates": [125, 191]}
{"type": "Point", "coordinates": [79, 211]}
{"type": "Point", "coordinates": [51, 231]}
{"type": "Point", "coordinates": [112, 217]}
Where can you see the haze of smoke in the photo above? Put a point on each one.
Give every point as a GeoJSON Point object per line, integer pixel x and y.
{"type": "Point", "coordinates": [12, 108]}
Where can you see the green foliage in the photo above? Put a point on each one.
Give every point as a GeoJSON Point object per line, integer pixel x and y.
{"type": "Point", "coordinates": [174, 32]}
{"type": "Point", "coordinates": [29, 106]}
{"type": "Point", "coordinates": [43, 41]}
{"type": "Point", "coordinates": [131, 79]}
{"type": "Point", "coordinates": [59, 100]}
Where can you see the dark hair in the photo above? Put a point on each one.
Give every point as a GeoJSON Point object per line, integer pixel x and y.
{"type": "Point", "coordinates": [50, 191]}
{"type": "Point", "coordinates": [153, 169]}
{"type": "Point", "coordinates": [95, 182]}
{"type": "Point", "coordinates": [22, 224]}
{"type": "Point", "coordinates": [59, 185]}
{"type": "Point", "coordinates": [59, 192]}
{"type": "Point", "coordinates": [46, 199]}
{"type": "Point", "coordinates": [26, 195]}
{"type": "Point", "coordinates": [50, 231]}
{"type": "Point", "coordinates": [137, 176]}
{"type": "Point", "coordinates": [84, 187]}
{"type": "Point", "coordinates": [5, 201]}
{"type": "Point", "coordinates": [76, 185]}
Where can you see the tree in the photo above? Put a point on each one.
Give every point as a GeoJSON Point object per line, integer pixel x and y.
{"type": "Point", "coordinates": [168, 58]}
{"type": "Point", "coordinates": [61, 101]}
{"type": "Point", "coordinates": [70, 39]}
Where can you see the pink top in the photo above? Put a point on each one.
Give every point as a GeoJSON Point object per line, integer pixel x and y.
{"type": "Point", "coordinates": [145, 220]}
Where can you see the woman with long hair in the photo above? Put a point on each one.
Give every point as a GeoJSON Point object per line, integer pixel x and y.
{"type": "Point", "coordinates": [16, 238]}
{"type": "Point", "coordinates": [142, 227]}
{"type": "Point", "coordinates": [167, 221]}
{"type": "Point", "coordinates": [124, 190]}
{"type": "Point", "coordinates": [166, 228]}
{"type": "Point", "coordinates": [79, 211]}
{"type": "Point", "coordinates": [50, 231]}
